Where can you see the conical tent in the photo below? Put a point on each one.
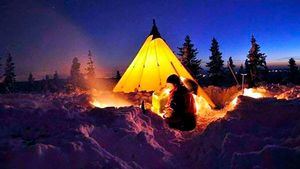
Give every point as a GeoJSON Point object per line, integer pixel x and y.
{"type": "Point", "coordinates": [151, 67]}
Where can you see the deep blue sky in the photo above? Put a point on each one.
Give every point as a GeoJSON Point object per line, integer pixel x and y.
{"type": "Point", "coordinates": [44, 35]}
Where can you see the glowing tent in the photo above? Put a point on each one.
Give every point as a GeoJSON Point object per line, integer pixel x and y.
{"type": "Point", "coordinates": [151, 67]}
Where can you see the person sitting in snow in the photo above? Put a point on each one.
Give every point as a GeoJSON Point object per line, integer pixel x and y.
{"type": "Point", "coordinates": [181, 106]}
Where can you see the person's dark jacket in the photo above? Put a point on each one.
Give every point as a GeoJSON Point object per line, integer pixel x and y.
{"type": "Point", "coordinates": [184, 109]}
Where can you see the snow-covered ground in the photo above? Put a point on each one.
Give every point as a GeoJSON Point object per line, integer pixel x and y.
{"type": "Point", "coordinates": [64, 131]}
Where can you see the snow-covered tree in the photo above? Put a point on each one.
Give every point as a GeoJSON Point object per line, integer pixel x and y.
{"type": "Point", "coordinates": [9, 73]}
{"type": "Point", "coordinates": [257, 63]}
{"type": "Point", "coordinates": [216, 70]}
{"type": "Point", "coordinates": [90, 69]}
{"type": "Point", "coordinates": [188, 57]}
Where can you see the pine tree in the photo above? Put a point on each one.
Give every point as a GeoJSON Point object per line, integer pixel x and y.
{"type": "Point", "coordinates": [75, 77]}
{"type": "Point", "coordinates": [55, 76]}
{"type": "Point", "coordinates": [46, 83]}
{"type": "Point", "coordinates": [247, 68]}
{"type": "Point", "coordinates": [216, 70]}
{"type": "Point", "coordinates": [30, 82]}
{"type": "Point", "coordinates": [231, 63]}
{"type": "Point", "coordinates": [231, 70]}
{"type": "Point", "coordinates": [188, 57]}
{"type": "Point", "coordinates": [9, 73]}
{"type": "Point", "coordinates": [292, 65]}
{"type": "Point", "coordinates": [55, 82]}
{"type": "Point", "coordinates": [293, 70]}
{"type": "Point", "coordinates": [90, 67]}
{"type": "Point", "coordinates": [118, 75]}
{"type": "Point", "coordinates": [0, 70]}
{"type": "Point", "coordinates": [241, 70]}
{"type": "Point", "coordinates": [257, 63]}
{"type": "Point", "coordinates": [30, 78]}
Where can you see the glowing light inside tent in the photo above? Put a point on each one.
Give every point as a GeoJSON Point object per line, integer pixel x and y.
{"type": "Point", "coordinates": [159, 101]}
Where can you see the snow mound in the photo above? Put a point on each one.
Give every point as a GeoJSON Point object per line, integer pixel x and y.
{"type": "Point", "coordinates": [42, 132]}
{"type": "Point", "coordinates": [251, 127]}
{"type": "Point", "coordinates": [63, 131]}
{"type": "Point", "coordinates": [269, 157]}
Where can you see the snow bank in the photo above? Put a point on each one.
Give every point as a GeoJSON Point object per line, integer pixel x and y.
{"type": "Point", "coordinates": [252, 126]}
{"type": "Point", "coordinates": [64, 131]}
{"type": "Point", "coordinates": [269, 157]}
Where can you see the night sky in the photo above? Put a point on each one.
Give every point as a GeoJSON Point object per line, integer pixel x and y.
{"type": "Point", "coordinates": [44, 35]}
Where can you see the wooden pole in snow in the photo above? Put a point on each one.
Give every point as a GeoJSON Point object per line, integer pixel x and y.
{"type": "Point", "coordinates": [232, 72]}
{"type": "Point", "coordinates": [243, 81]}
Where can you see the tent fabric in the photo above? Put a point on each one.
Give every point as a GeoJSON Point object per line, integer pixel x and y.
{"type": "Point", "coordinates": [151, 67]}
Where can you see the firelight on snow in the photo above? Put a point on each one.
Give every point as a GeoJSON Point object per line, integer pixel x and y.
{"type": "Point", "coordinates": [254, 93]}
{"type": "Point", "coordinates": [97, 103]}
{"type": "Point", "coordinates": [160, 98]}
{"type": "Point", "coordinates": [106, 99]}
{"type": "Point", "coordinates": [109, 103]}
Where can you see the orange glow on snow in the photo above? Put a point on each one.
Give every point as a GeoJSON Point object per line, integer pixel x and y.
{"type": "Point", "coordinates": [203, 108]}
{"type": "Point", "coordinates": [108, 103]}
{"type": "Point", "coordinates": [254, 93]}
{"type": "Point", "coordinates": [201, 105]}
{"type": "Point", "coordinates": [98, 104]}
{"type": "Point", "coordinates": [159, 101]}
{"type": "Point", "coordinates": [107, 99]}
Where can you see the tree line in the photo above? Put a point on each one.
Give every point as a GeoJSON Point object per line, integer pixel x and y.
{"type": "Point", "coordinates": [254, 68]}
{"type": "Point", "coordinates": [76, 79]}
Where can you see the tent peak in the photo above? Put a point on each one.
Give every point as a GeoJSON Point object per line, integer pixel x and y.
{"type": "Point", "coordinates": [154, 31]}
